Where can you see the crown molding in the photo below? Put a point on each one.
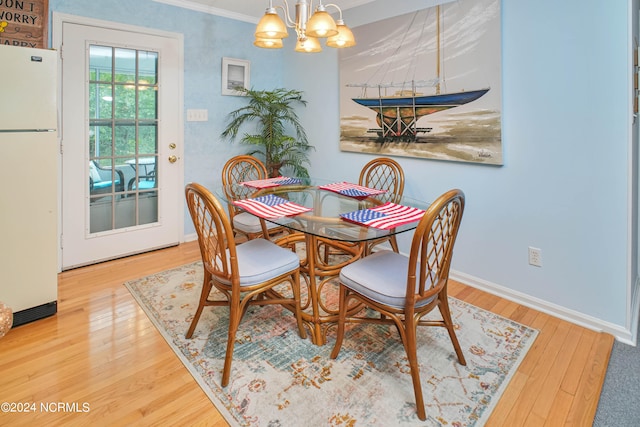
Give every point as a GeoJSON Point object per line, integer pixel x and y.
{"type": "Point", "coordinates": [186, 4]}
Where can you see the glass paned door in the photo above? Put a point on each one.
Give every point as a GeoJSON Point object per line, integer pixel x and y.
{"type": "Point", "coordinates": [122, 174]}
{"type": "Point", "coordinates": [123, 138]}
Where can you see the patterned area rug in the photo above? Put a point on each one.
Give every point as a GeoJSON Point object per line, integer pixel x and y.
{"type": "Point", "coordinates": [278, 379]}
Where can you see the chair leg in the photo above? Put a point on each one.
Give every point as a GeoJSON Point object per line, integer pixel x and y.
{"type": "Point", "coordinates": [235, 314]}
{"type": "Point", "coordinates": [325, 254]}
{"type": "Point", "coordinates": [342, 316]}
{"type": "Point", "coordinates": [394, 244]}
{"type": "Point", "coordinates": [410, 346]}
{"type": "Point", "coordinates": [392, 241]}
{"type": "Point", "coordinates": [295, 285]}
{"type": "Point", "coordinates": [446, 316]}
{"type": "Point", "coordinates": [204, 295]}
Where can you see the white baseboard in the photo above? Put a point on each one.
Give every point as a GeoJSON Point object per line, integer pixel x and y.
{"type": "Point", "coordinates": [622, 334]}
{"type": "Point", "coordinates": [190, 237]}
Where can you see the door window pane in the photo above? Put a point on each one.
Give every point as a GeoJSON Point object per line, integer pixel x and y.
{"type": "Point", "coordinates": [125, 101]}
{"type": "Point", "coordinates": [100, 63]}
{"type": "Point", "coordinates": [148, 68]}
{"type": "Point", "coordinates": [148, 139]}
{"type": "Point", "coordinates": [125, 65]}
{"type": "Point", "coordinates": [100, 101]}
{"type": "Point", "coordinates": [100, 139]}
{"type": "Point", "coordinates": [126, 139]}
{"type": "Point", "coordinates": [148, 103]}
{"type": "Point", "coordinates": [100, 214]}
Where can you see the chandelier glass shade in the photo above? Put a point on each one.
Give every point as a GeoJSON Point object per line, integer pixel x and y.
{"type": "Point", "coordinates": [321, 24]}
{"type": "Point", "coordinates": [308, 45]}
{"type": "Point", "coordinates": [268, 43]}
{"type": "Point", "coordinates": [271, 28]}
{"type": "Point", "coordinates": [344, 38]}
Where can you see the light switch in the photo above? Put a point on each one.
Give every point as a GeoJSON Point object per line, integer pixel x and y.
{"type": "Point", "coordinates": [197, 115]}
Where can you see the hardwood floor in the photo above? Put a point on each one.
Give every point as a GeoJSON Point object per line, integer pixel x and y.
{"type": "Point", "coordinates": [101, 361]}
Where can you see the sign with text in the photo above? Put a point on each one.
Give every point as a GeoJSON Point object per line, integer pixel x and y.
{"type": "Point", "coordinates": [24, 23]}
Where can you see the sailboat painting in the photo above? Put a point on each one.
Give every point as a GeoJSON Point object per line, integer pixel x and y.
{"type": "Point", "coordinates": [426, 84]}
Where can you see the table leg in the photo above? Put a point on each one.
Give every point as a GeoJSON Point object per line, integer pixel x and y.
{"type": "Point", "coordinates": [320, 312]}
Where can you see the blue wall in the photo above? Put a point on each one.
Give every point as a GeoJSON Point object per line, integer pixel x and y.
{"type": "Point", "coordinates": [565, 185]}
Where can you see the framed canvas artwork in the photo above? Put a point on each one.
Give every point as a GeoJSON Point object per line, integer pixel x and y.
{"type": "Point", "coordinates": [426, 84]}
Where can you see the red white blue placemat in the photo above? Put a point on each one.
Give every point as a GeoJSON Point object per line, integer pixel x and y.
{"type": "Point", "coordinates": [272, 182]}
{"type": "Point", "coordinates": [385, 217]}
{"type": "Point", "coordinates": [351, 190]}
{"type": "Point", "coordinates": [271, 206]}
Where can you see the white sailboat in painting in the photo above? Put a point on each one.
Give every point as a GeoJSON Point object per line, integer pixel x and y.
{"type": "Point", "coordinates": [406, 89]}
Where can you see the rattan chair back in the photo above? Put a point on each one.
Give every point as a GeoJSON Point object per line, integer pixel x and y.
{"type": "Point", "coordinates": [215, 235]}
{"type": "Point", "coordinates": [432, 247]}
{"type": "Point", "coordinates": [240, 169]}
{"type": "Point", "coordinates": [384, 173]}
{"type": "Point", "coordinates": [236, 170]}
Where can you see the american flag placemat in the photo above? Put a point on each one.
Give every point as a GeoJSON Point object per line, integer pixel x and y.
{"type": "Point", "coordinates": [385, 217]}
{"type": "Point", "coordinates": [272, 182]}
{"type": "Point", "coordinates": [352, 190]}
{"type": "Point", "coordinates": [271, 206]}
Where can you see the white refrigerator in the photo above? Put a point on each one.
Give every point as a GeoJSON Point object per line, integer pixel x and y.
{"type": "Point", "coordinates": [28, 182]}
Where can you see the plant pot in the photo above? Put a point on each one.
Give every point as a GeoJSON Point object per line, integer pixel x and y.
{"type": "Point", "coordinates": [274, 169]}
{"type": "Point", "coordinates": [6, 319]}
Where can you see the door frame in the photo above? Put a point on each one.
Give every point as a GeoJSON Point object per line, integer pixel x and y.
{"type": "Point", "coordinates": [59, 19]}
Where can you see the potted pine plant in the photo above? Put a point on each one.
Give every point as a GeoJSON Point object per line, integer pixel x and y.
{"type": "Point", "coordinates": [273, 112]}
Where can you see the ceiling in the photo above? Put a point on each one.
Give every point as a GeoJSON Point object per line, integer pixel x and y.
{"type": "Point", "coordinates": [252, 10]}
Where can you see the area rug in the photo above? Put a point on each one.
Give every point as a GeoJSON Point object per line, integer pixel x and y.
{"type": "Point", "coordinates": [279, 379]}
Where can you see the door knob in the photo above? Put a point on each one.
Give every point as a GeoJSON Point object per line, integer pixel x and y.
{"type": "Point", "coordinates": [172, 159]}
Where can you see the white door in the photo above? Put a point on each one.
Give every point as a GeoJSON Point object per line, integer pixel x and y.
{"type": "Point", "coordinates": [122, 173]}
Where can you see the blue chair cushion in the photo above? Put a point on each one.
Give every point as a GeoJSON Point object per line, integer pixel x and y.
{"type": "Point", "coordinates": [103, 184]}
{"type": "Point", "coordinates": [381, 277]}
{"type": "Point", "coordinates": [145, 185]}
{"type": "Point", "coordinates": [260, 260]}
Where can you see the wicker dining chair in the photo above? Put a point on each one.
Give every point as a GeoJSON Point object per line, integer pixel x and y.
{"type": "Point", "coordinates": [404, 289]}
{"type": "Point", "coordinates": [236, 170]}
{"type": "Point", "coordinates": [381, 173]}
{"type": "Point", "coordinates": [245, 274]}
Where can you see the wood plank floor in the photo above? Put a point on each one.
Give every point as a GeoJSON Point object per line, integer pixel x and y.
{"type": "Point", "coordinates": [100, 360]}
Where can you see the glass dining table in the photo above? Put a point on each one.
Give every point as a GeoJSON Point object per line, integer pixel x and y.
{"type": "Point", "coordinates": [325, 240]}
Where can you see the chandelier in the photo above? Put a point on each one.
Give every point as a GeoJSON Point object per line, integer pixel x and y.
{"type": "Point", "coordinates": [309, 28]}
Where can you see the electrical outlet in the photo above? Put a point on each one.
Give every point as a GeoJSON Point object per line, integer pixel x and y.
{"type": "Point", "coordinates": [535, 256]}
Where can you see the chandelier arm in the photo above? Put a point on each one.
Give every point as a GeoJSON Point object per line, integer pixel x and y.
{"type": "Point", "coordinates": [334, 5]}
{"type": "Point", "coordinates": [290, 23]}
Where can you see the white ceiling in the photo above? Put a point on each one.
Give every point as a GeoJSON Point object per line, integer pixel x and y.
{"type": "Point", "coordinates": [251, 10]}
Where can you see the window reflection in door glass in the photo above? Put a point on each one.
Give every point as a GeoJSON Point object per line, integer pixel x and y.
{"type": "Point", "coordinates": [123, 137]}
